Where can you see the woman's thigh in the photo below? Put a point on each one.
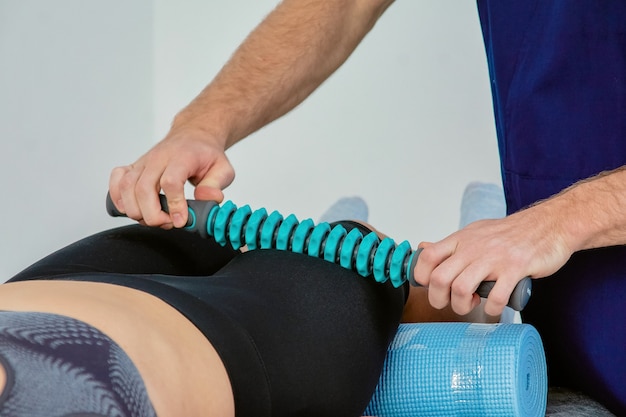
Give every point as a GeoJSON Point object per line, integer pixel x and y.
{"type": "Point", "coordinates": [321, 331]}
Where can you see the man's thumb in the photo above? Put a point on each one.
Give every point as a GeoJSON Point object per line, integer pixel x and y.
{"type": "Point", "coordinates": [208, 191]}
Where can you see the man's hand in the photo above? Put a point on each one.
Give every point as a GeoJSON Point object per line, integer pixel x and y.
{"type": "Point", "coordinates": [528, 243]}
{"type": "Point", "coordinates": [281, 62]}
{"type": "Point", "coordinates": [183, 155]}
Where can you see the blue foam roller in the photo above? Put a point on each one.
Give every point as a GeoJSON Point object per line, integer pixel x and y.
{"type": "Point", "coordinates": [462, 369]}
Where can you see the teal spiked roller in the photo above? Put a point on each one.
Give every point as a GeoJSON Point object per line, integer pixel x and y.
{"type": "Point", "coordinates": [384, 260]}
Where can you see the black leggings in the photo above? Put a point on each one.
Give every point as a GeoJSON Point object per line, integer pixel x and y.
{"type": "Point", "coordinates": [298, 336]}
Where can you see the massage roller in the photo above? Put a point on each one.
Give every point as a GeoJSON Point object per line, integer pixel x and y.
{"type": "Point", "coordinates": [367, 255]}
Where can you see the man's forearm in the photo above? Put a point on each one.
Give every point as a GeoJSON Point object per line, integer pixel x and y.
{"type": "Point", "coordinates": [592, 213]}
{"type": "Point", "coordinates": [281, 62]}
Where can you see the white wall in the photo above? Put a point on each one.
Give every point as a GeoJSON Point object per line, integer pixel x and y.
{"type": "Point", "coordinates": [86, 86]}
{"type": "Point", "coordinates": [405, 123]}
{"type": "Point", "coordinates": [75, 100]}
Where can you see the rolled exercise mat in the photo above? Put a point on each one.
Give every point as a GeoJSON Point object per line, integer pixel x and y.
{"type": "Point", "coordinates": [462, 369]}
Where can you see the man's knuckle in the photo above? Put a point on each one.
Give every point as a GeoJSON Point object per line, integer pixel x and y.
{"type": "Point", "coordinates": [461, 288]}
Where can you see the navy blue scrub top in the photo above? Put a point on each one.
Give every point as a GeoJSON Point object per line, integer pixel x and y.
{"type": "Point", "coordinates": [558, 78]}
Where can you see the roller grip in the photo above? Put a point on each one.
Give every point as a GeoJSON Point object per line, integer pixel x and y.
{"type": "Point", "coordinates": [519, 297]}
{"type": "Point", "coordinates": [111, 209]}
{"type": "Point", "coordinates": [196, 220]}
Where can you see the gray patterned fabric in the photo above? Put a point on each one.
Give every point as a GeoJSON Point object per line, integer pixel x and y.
{"type": "Point", "coordinates": [56, 366]}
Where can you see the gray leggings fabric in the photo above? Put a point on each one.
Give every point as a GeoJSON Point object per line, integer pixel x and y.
{"type": "Point", "coordinates": [57, 366]}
